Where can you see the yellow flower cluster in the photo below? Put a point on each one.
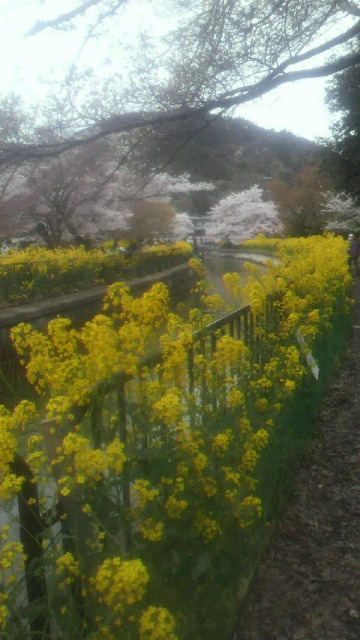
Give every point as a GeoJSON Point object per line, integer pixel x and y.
{"type": "Point", "coordinates": [115, 454]}
{"type": "Point", "coordinates": [175, 507]}
{"type": "Point", "coordinates": [249, 460]}
{"type": "Point", "coordinates": [230, 353]}
{"type": "Point", "coordinates": [4, 612]}
{"type": "Point", "coordinates": [207, 527]}
{"type": "Point", "coordinates": [8, 445]}
{"type": "Point", "coordinates": [68, 365]}
{"type": "Point", "coordinates": [37, 458]}
{"type": "Point", "coordinates": [221, 442]}
{"type": "Point", "coordinates": [259, 439]}
{"type": "Point", "coordinates": [248, 511]}
{"type": "Point", "coordinates": [178, 248]}
{"type": "Point", "coordinates": [12, 561]}
{"type": "Point", "coordinates": [63, 259]}
{"type": "Point", "coordinates": [143, 493]}
{"type": "Point", "coordinates": [11, 424]}
{"type": "Point", "coordinates": [121, 583]}
{"type": "Point", "coordinates": [67, 568]}
{"type": "Point", "coordinates": [156, 623]}
{"type": "Point", "coordinates": [152, 530]}
{"type": "Point", "coordinates": [10, 486]}
{"type": "Point", "coordinates": [234, 284]}
{"type": "Point", "coordinates": [268, 245]}
{"type": "Point", "coordinates": [88, 464]}
{"type": "Point", "coordinates": [168, 408]}
{"type": "Point", "coordinates": [197, 266]}
{"type": "Point", "coordinates": [214, 303]}
{"type": "Point", "coordinates": [235, 398]}
{"type": "Point", "coordinates": [11, 554]}
{"type": "Point", "coordinates": [61, 269]}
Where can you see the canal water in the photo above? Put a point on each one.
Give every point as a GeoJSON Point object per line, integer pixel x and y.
{"type": "Point", "coordinates": [229, 263]}
{"type": "Point", "coordinates": [13, 383]}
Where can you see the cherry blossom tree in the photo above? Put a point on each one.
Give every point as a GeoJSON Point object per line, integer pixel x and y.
{"type": "Point", "coordinates": [162, 185]}
{"type": "Point", "coordinates": [87, 192]}
{"type": "Point", "coordinates": [90, 192]}
{"type": "Point", "coordinates": [183, 226]}
{"type": "Point", "coordinates": [242, 215]}
{"type": "Point", "coordinates": [68, 196]}
{"type": "Point", "coordinates": [342, 213]}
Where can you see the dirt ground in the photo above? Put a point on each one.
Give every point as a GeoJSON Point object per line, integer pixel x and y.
{"type": "Point", "coordinates": [308, 584]}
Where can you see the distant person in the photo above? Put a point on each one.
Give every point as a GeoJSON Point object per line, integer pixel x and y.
{"type": "Point", "coordinates": [353, 251]}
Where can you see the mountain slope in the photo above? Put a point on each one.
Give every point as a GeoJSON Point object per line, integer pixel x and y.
{"type": "Point", "coordinates": [236, 154]}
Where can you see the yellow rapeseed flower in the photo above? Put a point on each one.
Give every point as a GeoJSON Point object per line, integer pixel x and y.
{"type": "Point", "coordinates": [156, 623]}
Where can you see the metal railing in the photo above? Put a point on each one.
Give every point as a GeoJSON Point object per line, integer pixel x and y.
{"type": "Point", "coordinates": [240, 324]}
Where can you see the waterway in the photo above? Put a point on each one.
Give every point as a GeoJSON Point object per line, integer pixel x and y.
{"type": "Point", "coordinates": [13, 383]}
{"type": "Point", "coordinates": [217, 265]}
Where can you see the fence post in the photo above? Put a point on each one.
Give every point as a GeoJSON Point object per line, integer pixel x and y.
{"type": "Point", "coordinates": [121, 402]}
{"type": "Point", "coordinates": [77, 532]}
{"type": "Point", "coordinates": [96, 422]}
{"type": "Point", "coordinates": [31, 529]}
{"type": "Point", "coordinates": [191, 379]}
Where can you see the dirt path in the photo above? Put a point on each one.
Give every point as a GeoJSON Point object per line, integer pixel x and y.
{"type": "Point", "coordinates": [308, 584]}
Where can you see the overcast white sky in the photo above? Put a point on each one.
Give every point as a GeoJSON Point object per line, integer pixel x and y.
{"type": "Point", "coordinates": [299, 108]}
{"type": "Point", "coordinates": [29, 63]}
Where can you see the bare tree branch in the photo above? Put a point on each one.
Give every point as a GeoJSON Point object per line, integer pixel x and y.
{"type": "Point", "coordinates": [7, 181]}
{"type": "Point", "coordinates": [64, 17]}
{"type": "Point", "coordinates": [139, 120]}
{"type": "Point", "coordinates": [330, 44]}
{"type": "Point", "coordinates": [213, 87]}
{"type": "Point", "coordinates": [311, 53]}
{"type": "Point", "coordinates": [350, 7]}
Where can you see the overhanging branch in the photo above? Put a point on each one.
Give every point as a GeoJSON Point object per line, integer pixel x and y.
{"type": "Point", "coordinates": [350, 7]}
{"type": "Point", "coordinates": [65, 18]}
{"type": "Point", "coordinates": [139, 120]}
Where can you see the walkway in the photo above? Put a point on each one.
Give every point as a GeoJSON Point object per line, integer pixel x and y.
{"type": "Point", "coordinates": [308, 584]}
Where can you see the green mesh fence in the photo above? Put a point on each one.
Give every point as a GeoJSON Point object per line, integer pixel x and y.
{"type": "Point", "coordinates": [297, 422]}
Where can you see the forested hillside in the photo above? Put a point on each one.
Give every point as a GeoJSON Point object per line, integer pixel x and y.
{"type": "Point", "coordinates": [235, 154]}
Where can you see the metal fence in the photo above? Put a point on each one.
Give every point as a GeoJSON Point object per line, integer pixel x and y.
{"type": "Point", "coordinates": [118, 394]}
{"type": "Point", "coordinates": [27, 280]}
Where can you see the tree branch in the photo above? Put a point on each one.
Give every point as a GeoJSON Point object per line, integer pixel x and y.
{"type": "Point", "coordinates": [311, 53]}
{"type": "Point", "coordinates": [65, 17]}
{"type": "Point", "coordinates": [349, 7]}
{"type": "Point", "coordinates": [139, 120]}
{"type": "Point", "coordinates": [330, 44]}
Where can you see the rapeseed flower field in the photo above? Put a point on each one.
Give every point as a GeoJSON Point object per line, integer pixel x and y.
{"type": "Point", "coordinates": [158, 447]}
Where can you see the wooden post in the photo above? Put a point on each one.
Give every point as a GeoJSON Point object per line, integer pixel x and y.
{"type": "Point", "coordinates": [31, 529]}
